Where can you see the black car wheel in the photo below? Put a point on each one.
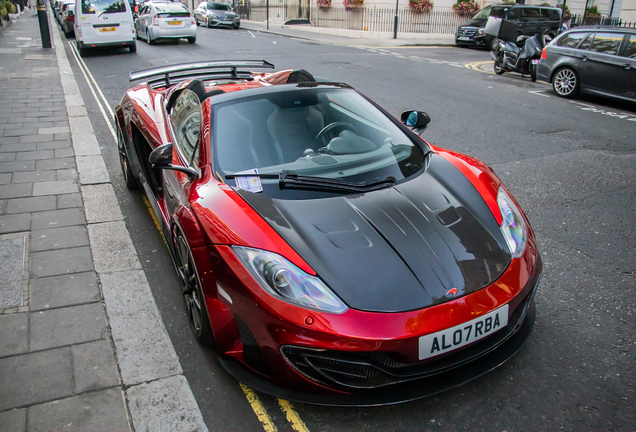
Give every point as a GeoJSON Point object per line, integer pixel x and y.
{"type": "Point", "coordinates": [192, 292]}
{"type": "Point", "coordinates": [129, 178]}
{"type": "Point", "coordinates": [236, 26]}
{"type": "Point", "coordinates": [498, 69]}
{"type": "Point", "coordinates": [533, 72]}
{"type": "Point", "coordinates": [566, 82]}
{"type": "Point", "coordinates": [192, 40]}
{"type": "Point", "coordinates": [207, 22]}
{"type": "Point", "coordinates": [133, 48]}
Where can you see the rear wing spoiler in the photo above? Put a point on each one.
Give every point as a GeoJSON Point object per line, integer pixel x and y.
{"type": "Point", "coordinates": [165, 76]}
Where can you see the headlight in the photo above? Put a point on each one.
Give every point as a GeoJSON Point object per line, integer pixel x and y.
{"type": "Point", "coordinates": [512, 225]}
{"type": "Point", "coordinates": [283, 280]}
{"type": "Point", "coordinates": [480, 32]}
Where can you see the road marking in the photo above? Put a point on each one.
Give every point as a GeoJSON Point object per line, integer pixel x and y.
{"type": "Point", "coordinates": [99, 90]}
{"type": "Point", "coordinates": [292, 416]}
{"type": "Point", "coordinates": [476, 66]}
{"type": "Point", "coordinates": [538, 93]}
{"type": "Point", "coordinates": [596, 110]}
{"type": "Point", "coordinates": [252, 34]}
{"type": "Point", "coordinates": [101, 108]}
{"type": "Point", "coordinates": [259, 409]}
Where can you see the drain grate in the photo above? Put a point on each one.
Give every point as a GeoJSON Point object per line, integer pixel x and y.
{"type": "Point", "coordinates": [13, 272]}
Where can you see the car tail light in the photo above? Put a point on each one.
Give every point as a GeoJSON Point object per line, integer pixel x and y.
{"type": "Point", "coordinates": [544, 54]}
{"type": "Point", "coordinates": [192, 21]}
{"type": "Point", "coordinates": [155, 21]}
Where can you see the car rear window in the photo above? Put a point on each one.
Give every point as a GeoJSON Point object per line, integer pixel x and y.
{"type": "Point", "coordinates": [102, 6]}
{"type": "Point", "coordinates": [631, 47]}
{"type": "Point", "coordinates": [606, 43]}
{"type": "Point", "coordinates": [571, 40]}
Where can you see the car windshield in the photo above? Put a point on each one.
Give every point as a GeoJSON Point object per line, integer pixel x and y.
{"type": "Point", "coordinates": [218, 6]}
{"type": "Point", "coordinates": [327, 132]}
{"type": "Point", "coordinates": [102, 6]}
{"type": "Point", "coordinates": [484, 13]}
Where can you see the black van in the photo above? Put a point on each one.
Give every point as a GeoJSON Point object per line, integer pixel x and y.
{"type": "Point", "coordinates": [532, 19]}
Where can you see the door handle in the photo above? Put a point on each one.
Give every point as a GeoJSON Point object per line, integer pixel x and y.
{"type": "Point", "coordinates": [584, 58]}
{"type": "Point", "coordinates": [627, 66]}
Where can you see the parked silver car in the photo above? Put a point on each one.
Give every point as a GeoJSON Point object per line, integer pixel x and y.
{"type": "Point", "coordinates": [599, 60]}
{"type": "Point", "coordinates": [212, 14]}
{"type": "Point", "coordinates": [165, 20]}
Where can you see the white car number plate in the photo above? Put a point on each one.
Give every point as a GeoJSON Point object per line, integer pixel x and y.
{"type": "Point", "coordinates": [456, 337]}
{"type": "Point", "coordinates": [463, 38]}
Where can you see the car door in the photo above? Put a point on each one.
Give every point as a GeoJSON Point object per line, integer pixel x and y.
{"type": "Point", "coordinates": [144, 15]}
{"type": "Point", "coordinates": [200, 12]}
{"type": "Point", "coordinates": [601, 69]}
{"type": "Point", "coordinates": [628, 66]}
{"type": "Point", "coordinates": [185, 127]}
{"type": "Point", "coordinates": [531, 20]}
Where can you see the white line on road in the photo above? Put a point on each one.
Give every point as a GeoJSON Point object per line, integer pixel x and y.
{"type": "Point", "coordinates": [538, 93]}
{"type": "Point", "coordinates": [252, 34]}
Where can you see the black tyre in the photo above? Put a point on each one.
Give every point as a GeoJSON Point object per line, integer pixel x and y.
{"type": "Point", "coordinates": [207, 22]}
{"type": "Point", "coordinates": [565, 82]}
{"type": "Point", "coordinates": [192, 292]}
{"type": "Point", "coordinates": [236, 26]}
{"type": "Point", "coordinates": [192, 40]}
{"type": "Point", "coordinates": [129, 179]}
{"type": "Point", "coordinates": [533, 72]}
{"type": "Point", "coordinates": [196, 21]}
{"type": "Point", "coordinates": [133, 48]}
{"type": "Point", "coordinates": [498, 69]}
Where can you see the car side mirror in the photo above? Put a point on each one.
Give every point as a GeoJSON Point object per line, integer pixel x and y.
{"type": "Point", "coordinates": [416, 120]}
{"type": "Point", "coordinates": [161, 158]}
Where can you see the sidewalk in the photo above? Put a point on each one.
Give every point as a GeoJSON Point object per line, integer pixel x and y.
{"type": "Point", "coordinates": [349, 37]}
{"type": "Point", "coordinates": [82, 344]}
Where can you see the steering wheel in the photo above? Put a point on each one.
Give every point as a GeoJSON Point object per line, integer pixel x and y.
{"type": "Point", "coordinates": [324, 133]}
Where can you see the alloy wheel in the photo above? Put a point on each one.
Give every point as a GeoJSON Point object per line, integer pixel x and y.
{"type": "Point", "coordinates": [565, 82]}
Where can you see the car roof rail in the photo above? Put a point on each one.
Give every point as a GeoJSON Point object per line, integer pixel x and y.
{"type": "Point", "coordinates": [168, 75]}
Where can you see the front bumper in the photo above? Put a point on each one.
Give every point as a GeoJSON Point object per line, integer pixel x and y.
{"type": "Point", "coordinates": [371, 358]}
{"type": "Point", "coordinates": [471, 37]}
{"type": "Point", "coordinates": [215, 22]}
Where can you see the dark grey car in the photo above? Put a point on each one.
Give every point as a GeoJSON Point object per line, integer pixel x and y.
{"type": "Point", "coordinates": [599, 60]}
{"type": "Point", "coordinates": [212, 14]}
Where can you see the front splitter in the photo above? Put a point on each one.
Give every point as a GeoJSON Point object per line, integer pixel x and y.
{"type": "Point", "coordinates": [397, 393]}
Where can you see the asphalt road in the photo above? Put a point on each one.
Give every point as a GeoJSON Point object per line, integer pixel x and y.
{"type": "Point", "coordinates": [571, 165]}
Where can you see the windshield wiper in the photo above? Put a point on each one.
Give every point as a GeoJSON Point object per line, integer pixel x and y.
{"type": "Point", "coordinates": [290, 178]}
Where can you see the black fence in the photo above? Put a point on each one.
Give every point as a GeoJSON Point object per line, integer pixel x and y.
{"type": "Point", "coordinates": [577, 21]}
{"type": "Point", "coordinates": [380, 19]}
{"type": "Point", "coordinates": [373, 19]}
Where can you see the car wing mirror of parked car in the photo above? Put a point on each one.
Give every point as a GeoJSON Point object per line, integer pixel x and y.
{"type": "Point", "coordinates": [161, 158]}
{"type": "Point", "coordinates": [416, 120]}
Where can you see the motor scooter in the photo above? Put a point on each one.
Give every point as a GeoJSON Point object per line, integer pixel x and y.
{"type": "Point", "coordinates": [521, 56]}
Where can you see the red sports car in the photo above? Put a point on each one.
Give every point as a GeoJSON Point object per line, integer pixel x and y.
{"type": "Point", "coordinates": [330, 254]}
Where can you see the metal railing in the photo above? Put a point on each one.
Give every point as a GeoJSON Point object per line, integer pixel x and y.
{"type": "Point", "coordinates": [578, 21]}
{"type": "Point", "coordinates": [380, 19]}
{"type": "Point", "coordinates": [373, 19]}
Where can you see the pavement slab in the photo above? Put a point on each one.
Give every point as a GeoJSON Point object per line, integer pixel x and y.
{"type": "Point", "coordinates": [67, 326]}
{"type": "Point", "coordinates": [95, 366]}
{"type": "Point", "coordinates": [65, 290]}
{"type": "Point", "coordinates": [59, 262]}
{"type": "Point", "coordinates": [101, 204]}
{"type": "Point", "coordinates": [144, 349]}
{"type": "Point", "coordinates": [112, 247]}
{"type": "Point", "coordinates": [58, 218]}
{"type": "Point", "coordinates": [13, 420]}
{"type": "Point", "coordinates": [12, 259]}
{"type": "Point", "coordinates": [150, 402]}
{"type": "Point", "coordinates": [16, 190]}
{"type": "Point", "coordinates": [14, 335]}
{"type": "Point", "coordinates": [59, 238]}
{"type": "Point", "coordinates": [34, 378]}
{"type": "Point", "coordinates": [33, 176]}
{"type": "Point", "coordinates": [55, 187]}
{"type": "Point", "coordinates": [100, 411]}
{"type": "Point", "coordinates": [14, 223]}
{"type": "Point", "coordinates": [69, 201]}
{"type": "Point", "coordinates": [32, 204]}
{"type": "Point", "coordinates": [92, 169]}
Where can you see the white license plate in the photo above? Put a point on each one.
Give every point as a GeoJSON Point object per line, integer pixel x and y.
{"type": "Point", "coordinates": [535, 61]}
{"type": "Point", "coordinates": [456, 337]}
{"type": "Point", "coordinates": [463, 38]}
{"type": "Point", "coordinates": [106, 29]}
{"type": "Point", "coordinates": [175, 22]}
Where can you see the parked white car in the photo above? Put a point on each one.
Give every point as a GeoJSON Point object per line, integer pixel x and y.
{"type": "Point", "coordinates": [165, 20]}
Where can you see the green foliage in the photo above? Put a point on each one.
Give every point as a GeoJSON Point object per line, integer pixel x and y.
{"type": "Point", "coordinates": [593, 12]}
{"type": "Point", "coordinates": [545, 4]}
{"type": "Point", "coordinates": [6, 7]}
{"type": "Point", "coordinates": [565, 12]}
{"type": "Point", "coordinates": [3, 13]}
{"type": "Point", "coordinates": [509, 2]}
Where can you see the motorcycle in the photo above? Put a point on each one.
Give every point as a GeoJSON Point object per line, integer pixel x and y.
{"type": "Point", "coordinates": [521, 56]}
